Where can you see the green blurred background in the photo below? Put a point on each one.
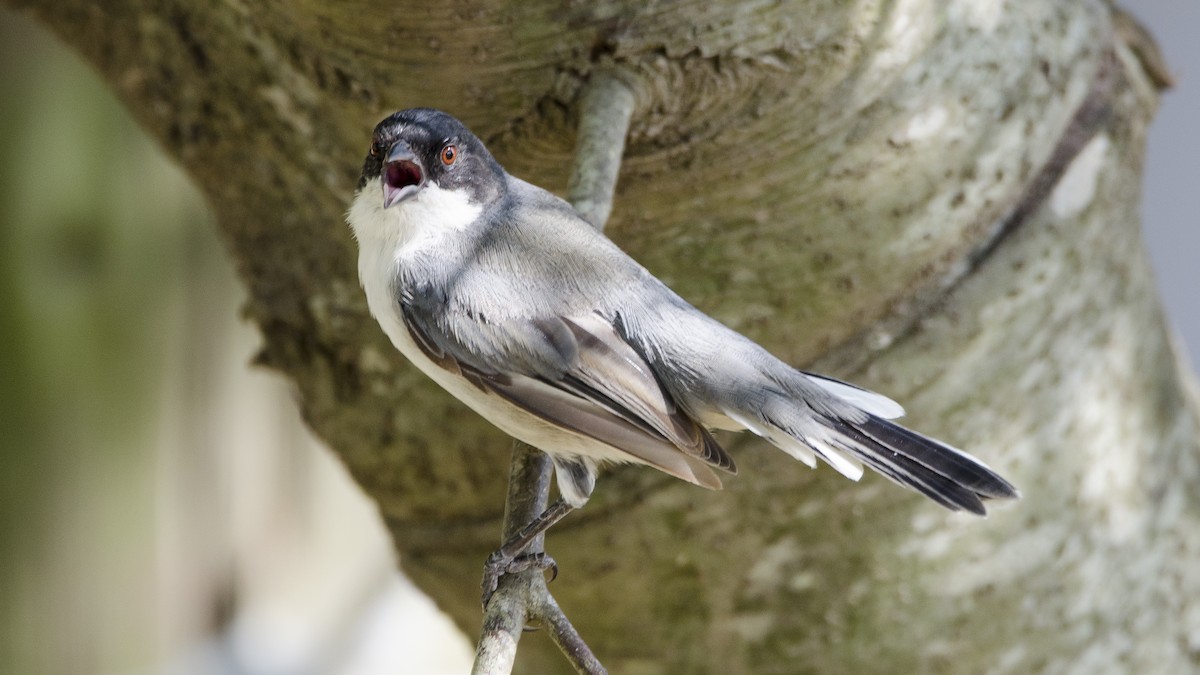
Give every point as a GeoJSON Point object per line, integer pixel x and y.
{"type": "Point", "coordinates": [101, 245]}
{"type": "Point", "coordinates": [163, 510]}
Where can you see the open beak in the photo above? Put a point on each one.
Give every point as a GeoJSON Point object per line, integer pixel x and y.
{"type": "Point", "coordinates": [403, 176]}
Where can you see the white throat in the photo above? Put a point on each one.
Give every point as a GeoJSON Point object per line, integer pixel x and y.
{"type": "Point", "coordinates": [419, 221]}
{"type": "Point", "coordinates": [386, 237]}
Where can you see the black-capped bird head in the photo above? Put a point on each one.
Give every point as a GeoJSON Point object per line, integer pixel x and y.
{"type": "Point", "coordinates": [418, 148]}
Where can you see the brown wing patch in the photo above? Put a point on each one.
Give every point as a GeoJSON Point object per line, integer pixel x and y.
{"type": "Point", "coordinates": [611, 368]}
{"type": "Point", "coordinates": [610, 395]}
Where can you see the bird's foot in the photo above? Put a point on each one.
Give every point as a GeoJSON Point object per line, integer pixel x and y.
{"type": "Point", "coordinates": [498, 564]}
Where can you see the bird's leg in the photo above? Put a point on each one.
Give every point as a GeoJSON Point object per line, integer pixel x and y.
{"type": "Point", "coordinates": [509, 558]}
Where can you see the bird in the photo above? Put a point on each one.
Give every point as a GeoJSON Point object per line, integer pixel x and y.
{"type": "Point", "coordinates": [502, 294]}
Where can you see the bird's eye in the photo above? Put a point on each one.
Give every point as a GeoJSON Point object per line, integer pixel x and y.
{"type": "Point", "coordinates": [376, 149]}
{"type": "Point", "coordinates": [449, 155]}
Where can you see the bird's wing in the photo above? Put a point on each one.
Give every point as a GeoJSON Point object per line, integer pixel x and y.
{"type": "Point", "coordinates": [576, 372]}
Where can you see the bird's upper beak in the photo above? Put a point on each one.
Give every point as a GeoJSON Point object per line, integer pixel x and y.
{"type": "Point", "coordinates": [403, 175]}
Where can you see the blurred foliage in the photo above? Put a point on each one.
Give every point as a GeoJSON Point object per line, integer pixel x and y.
{"type": "Point", "coordinates": [98, 233]}
{"type": "Point", "coordinates": [164, 510]}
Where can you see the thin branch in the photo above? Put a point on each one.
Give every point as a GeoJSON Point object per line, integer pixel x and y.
{"type": "Point", "coordinates": [503, 624]}
{"type": "Point", "coordinates": [559, 627]}
{"type": "Point", "coordinates": [606, 108]}
{"type": "Point", "coordinates": [528, 491]}
{"type": "Point", "coordinates": [507, 612]}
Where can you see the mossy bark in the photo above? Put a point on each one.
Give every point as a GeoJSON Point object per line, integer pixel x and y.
{"type": "Point", "coordinates": [937, 200]}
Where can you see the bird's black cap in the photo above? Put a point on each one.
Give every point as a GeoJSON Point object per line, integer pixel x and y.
{"type": "Point", "coordinates": [443, 149]}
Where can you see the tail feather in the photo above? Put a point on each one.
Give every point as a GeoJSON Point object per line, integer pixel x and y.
{"type": "Point", "coordinates": [777, 437]}
{"type": "Point", "coordinates": [948, 476]}
{"type": "Point", "coordinates": [944, 459]}
{"type": "Point", "coordinates": [863, 399]}
{"type": "Point", "coordinates": [907, 471]}
{"type": "Point", "coordinates": [843, 459]}
{"type": "Point", "coordinates": [848, 427]}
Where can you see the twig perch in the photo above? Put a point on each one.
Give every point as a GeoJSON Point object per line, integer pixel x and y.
{"type": "Point", "coordinates": [508, 611]}
{"type": "Point", "coordinates": [605, 111]}
{"type": "Point", "coordinates": [522, 599]}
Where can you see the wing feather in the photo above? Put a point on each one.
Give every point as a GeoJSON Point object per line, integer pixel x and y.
{"type": "Point", "coordinates": [586, 379]}
{"type": "Point", "coordinates": [593, 420]}
{"type": "Point", "coordinates": [608, 364]}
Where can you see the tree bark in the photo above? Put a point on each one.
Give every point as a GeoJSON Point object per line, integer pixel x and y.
{"type": "Point", "coordinates": [935, 200]}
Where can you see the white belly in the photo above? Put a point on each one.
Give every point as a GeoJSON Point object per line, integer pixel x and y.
{"type": "Point", "coordinates": [511, 419]}
{"type": "Point", "coordinates": [384, 237]}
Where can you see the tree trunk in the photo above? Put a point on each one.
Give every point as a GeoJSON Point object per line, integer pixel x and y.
{"type": "Point", "coordinates": [935, 200]}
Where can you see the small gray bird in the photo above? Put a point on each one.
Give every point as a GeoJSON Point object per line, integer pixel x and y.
{"type": "Point", "coordinates": [502, 294]}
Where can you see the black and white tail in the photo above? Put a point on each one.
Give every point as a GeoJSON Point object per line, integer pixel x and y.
{"type": "Point", "coordinates": [946, 475]}
{"type": "Point", "coordinates": [855, 430]}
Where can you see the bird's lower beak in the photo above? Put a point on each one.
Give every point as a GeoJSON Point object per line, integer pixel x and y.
{"type": "Point", "coordinates": [403, 175]}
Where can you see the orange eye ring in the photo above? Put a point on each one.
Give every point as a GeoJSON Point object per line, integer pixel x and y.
{"type": "Point", "coordinates": [449, 154]}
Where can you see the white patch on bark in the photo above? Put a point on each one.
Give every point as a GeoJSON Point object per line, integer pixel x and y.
{"type": "Point", "coordinates": [281, 102]}
{"type": "Point", "coordinates": [803, 581]}
{"type": "Point", "coordinates": [1077, 187]}
{"type": "Point", "coordinates": [925, 124]}
{"type": "Point", "coordinates": [753, 627]}
{"type": "Point", "coordinates": [984, 15]}
{"type": "Point", "coordinates": [372, 360]}
{"type": "Point", "coordinates": [1112, 476]}
{"type": "Point", "coordinates": [880, 339]}
{"type": "Point", "coordinates": [771, 570]}
{"type": "Point", "coordinates": [907, 35]}
{"type": "Point", "coordinates": [1010, 659]}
